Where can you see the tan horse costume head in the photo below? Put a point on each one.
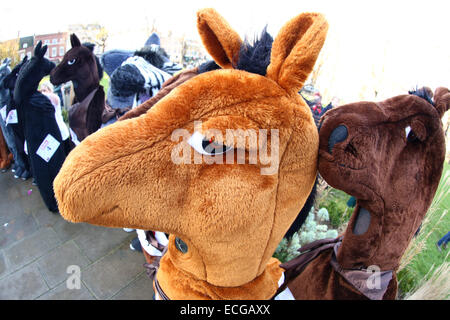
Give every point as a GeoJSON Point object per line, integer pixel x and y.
{"type": "Point", "coordinates": [224, 220]}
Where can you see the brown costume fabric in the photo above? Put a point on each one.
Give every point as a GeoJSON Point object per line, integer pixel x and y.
{"type": "Point", "coordinates": [5, 155]}
{"type": "Point", "coordinates": [166, 88]}
{"type": "Point", "coordinates": [392, 175]}
{"type": "Point", "coordinates": [78, 112]}
{"type": "Point", "coordinates": [84, 73]}
{"type": "Point", "coordinates": [230, 216]}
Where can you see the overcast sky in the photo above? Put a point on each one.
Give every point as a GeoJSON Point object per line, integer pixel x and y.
{"type": "Point", "coordinates": [403, 42]}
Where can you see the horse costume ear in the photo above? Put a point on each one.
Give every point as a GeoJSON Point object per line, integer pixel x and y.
{"type": "Point", "coordinates": [37, 49]}
{"type": "Point", "coordinates": [74, 41]}
{"type": "Point", "coordinates": [295, 50]}
{"type": "Point", "coordinates": [43, 51]}
{"type": "Point", "coordinates": [442, 100]}
{"type": "Point", "coordinates": [221, 41]}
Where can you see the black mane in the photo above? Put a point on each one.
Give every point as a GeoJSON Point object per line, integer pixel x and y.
{"type": "Point", "coordinates": [156, 57]}
{"type": "Point", "coordinates": [424, 93]}
{"type": "Point", "coordinates": [255, 57]}
{"type": "Point", "coordinates": [91, 46]}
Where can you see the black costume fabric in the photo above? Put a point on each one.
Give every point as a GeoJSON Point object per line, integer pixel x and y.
{"type": "Point", "coordinates": [38, 117]}
{"type": "Point", "coordinates": [22, 164]}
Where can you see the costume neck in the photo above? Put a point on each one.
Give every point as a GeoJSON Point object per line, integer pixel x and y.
{"type": "Point", "coordinates": [377, 235]}
{"type": "Point", "coordinates": [179, 285]}
{"type": "Point", "coordinates": [83, 88]}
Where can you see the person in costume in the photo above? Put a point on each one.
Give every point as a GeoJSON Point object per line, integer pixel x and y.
{"type": "Point", "coordinates": [41, 131]}
{"type": "Point", "coordinates": [136, 76]}
{"type": "Point", "coordinates": [79, 65]}
{"type": "Point", "coordinates": [8, 150]}
{"type": "Point", "coordinates": [14, 121]}
{"type": "Point", "coordinates": [47, 89]}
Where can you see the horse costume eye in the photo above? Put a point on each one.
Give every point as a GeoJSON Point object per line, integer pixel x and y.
{"type": "Point", "coordinates": [410, 135]}
{"type": "Point", "coordinates": [205, 146]}
{"type": "Point", "coordinates": [71, 62]}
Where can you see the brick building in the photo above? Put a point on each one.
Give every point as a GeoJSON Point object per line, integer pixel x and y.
{"type": "Point", "coordinates": [58, 44]}
{"type": "Point", "coordinates": [87, 33]}
{"type": "Point", "coordinates": [26, 47]}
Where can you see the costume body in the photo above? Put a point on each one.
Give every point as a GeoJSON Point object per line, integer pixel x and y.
{"type": "Point", "coordinates": [8, 149]}
{"type": "Point", "coordinates": [80, 66]}
{"type": "Point", "coordinates": [370, 165]}
{"type": "Point", "coordinates": [78, 121]}
{"type": "Point", "coordinates": [41, 131]}
{"type": "Point", "coordinates": [14, 124]}
{"type": "Point", "coordinates": [136, 77]}
{"type": "Point", "coordinates": [224, 220]}
{"type": "Point", "coordinates": [40, 124]}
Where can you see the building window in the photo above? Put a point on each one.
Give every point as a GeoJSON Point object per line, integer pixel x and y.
{"type": "Point", "coordinates": [25, 45]}
{"type": "Point", "coordinates": [61, 51]}
{"type": "Point", "coordinates": [46, 41]}
{"type": "Point", "coordinates": [54, 52]}
{"type": "Point", "coordinates": [55, 41]}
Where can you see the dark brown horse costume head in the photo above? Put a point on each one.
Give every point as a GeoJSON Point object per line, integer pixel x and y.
{"type": "Point", "coordinates": [389, 155]}
{"type": "Point", "coordinates": [225, 220]}
{"type": "Point", "coordinates": [79, 66]}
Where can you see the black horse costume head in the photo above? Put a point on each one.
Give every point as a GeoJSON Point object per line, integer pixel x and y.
{"type": "Point", "coordinates": [9, 82]}
{"type": "Point", "coordinates": [4, 71]}
{"type": "Point", "coordinates": [32, 72]}
{"type": "Point", "coordinates": [4, 68]}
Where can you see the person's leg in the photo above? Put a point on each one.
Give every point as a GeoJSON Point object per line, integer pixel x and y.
{"type": "Point", "coordinates": [444, 240]}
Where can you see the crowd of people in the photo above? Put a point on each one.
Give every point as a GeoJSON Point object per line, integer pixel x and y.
{"type": "Point", "coordinates": [35, 139]}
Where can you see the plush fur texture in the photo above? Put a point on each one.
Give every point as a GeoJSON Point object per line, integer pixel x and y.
{"type": "Point", "coordinates": [38, 116]}
{"type": "Point", "coordinates": [80, 66]}
{"type": "Point", "coordinates": [391, 160]}
{"type": "Point", "coordinates": [22, 163]}
{"type": "Point", "coordinates": [230, 216]}
{"type": "Point", "coordinates": [31, 74]}
{"type": "Point", "coordinates": [255, 57]}
{"type": "Point", "coordinates": [5, 155]}
{"type": "Point", "coordinates": [168, 86]}
{"type": "Point", "coordinates": [6, 135]}
{"type": "Point", "coordinates": [91, 46]}
{"type": "Point", "coordinates": [156, 58]}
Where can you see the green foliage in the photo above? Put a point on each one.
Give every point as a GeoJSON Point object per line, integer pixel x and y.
{"type": "Point", "coordinates": [435, 225]}
{"type": "Point", "coordinates": [10, 49]}
{"type": "Point", "coordinates": [310, 231]}
{"type": "Point", "coordinates": [104, 82]}
{"type": "Point", "coordinates": [336, 204]}
{"type": "Point", "coordinates": [65, 115]}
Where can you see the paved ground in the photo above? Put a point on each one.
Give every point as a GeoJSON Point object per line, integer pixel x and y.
{"type": "Point", "coordinates": [37, 247]}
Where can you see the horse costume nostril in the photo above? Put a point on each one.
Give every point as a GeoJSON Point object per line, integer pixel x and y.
{"type": "Point", "coordinates": [338, 134]}
{"type": "Point", "coordinates": [181, 245]}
